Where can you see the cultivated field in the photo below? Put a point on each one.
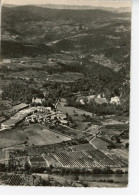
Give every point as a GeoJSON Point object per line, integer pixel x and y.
{"type": "Point", "coordinates": [38, 135]}
{"type": "Point", "coordinates": [12, 137]}
{"type": "Point", "coordinates": [99, 144]}
{"type": "Point", "coordinates": [76, 115]}
{"type": "Point", "coordinates": [34, 134]}
{"type": "Point", "coordinates": [84, 159]}
{"type": "Point", "coordinates": [72, 110]}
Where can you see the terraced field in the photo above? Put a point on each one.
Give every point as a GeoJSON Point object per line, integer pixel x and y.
{"type": "Point", "coordinates": [18, 179]}
{"type": "Point", "coordinates": [12, 179]}
{"type": "Point", "coordinates": [84, 159]}
{"type": "Point", "coordinates": [82, 147]}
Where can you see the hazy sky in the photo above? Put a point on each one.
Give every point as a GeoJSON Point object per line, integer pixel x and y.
{"type": "Point", "coordinates": [106, 3]}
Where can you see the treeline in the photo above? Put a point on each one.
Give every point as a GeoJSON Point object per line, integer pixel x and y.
{"type": "Point", "coordinates": [11, 49]}
{"type": "Point", "coordinates": [96, 77]}
{"type": "Point", "coordinates": [19, 93]}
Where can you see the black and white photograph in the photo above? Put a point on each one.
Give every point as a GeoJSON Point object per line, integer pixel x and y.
{"type": "Point", "coordinates": [65, 93]}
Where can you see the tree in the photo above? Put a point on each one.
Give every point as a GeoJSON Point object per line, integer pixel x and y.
{"type": "Point", "coordinates": [27, 166]}
{"type": "Point", "coordinates": [97, 170]}
{"type": "Point", "coordinates": [119, 171]}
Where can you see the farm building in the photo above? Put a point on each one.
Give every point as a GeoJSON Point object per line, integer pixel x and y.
{"type": "Point", "coordinates": [115, 100]}
{"type": "Point", "coordinates": [100, 100]}
{"type": "Point", "coordinates": [38, 100]}
{"type": "Point", "coordinates": [87, 99]}
{"type": "Point", "coordinates": [6, 61]}
{"type": "Point", "coordinates": [46, 110]}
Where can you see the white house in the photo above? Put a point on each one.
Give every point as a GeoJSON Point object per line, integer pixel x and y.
{"type": "Point", "coordinates": [37, 100]}
{"type": "Point", "coordinates": [6, 61]}
{"type": "Point", "coordinates": [115, 100]}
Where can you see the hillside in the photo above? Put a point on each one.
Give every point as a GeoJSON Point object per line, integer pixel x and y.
{"type": "Point", "coordinates": [77, 29]}
{"type": "Point", "coordinates": [92, 42]}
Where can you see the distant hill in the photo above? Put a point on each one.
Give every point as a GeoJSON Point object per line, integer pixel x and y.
{"type": "Point", "coordinates": [77, 7]}
{"type": "Point", "coordinates": [29, 11]}
{"type": "Point", "coordinates": [98, 39]}
{"type": "Point", "coordinates": [86, 32]}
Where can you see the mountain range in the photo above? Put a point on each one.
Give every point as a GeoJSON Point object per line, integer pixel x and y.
{"type": "Point", "coordinates": [76, 7]}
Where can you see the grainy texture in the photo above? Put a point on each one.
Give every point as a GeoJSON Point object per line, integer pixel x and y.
{"type": "Point", "coordinates": [64, 93]}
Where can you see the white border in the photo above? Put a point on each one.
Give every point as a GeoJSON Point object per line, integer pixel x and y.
{"type": "Point", "coordinates": [133, 187]}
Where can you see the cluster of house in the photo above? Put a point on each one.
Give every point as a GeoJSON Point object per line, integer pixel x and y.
{"type": "Point", "coordinates": [99, 99]}
{"type": "Point", "coordinates": [46, 114]}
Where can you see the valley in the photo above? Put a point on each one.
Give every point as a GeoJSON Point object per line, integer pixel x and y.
{"type": "Point", "coordinates": [64, 96]}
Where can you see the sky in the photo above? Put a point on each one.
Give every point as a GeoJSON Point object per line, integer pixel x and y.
{"type": "Point", "coordinates": [104, 3]}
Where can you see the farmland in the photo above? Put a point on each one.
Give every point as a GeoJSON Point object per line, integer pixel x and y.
{"type": "Point", "coordinates": [64, 95]}
{"type": "Point", "coordinates": [39, 136]}
{"type": "Point", "coordinates": [12, 137]}
{"type": "Point", "coordinates": [76, 115]}
{"type": "Point", "coordinates": [34, 134]}
{"type": "Point", "coordinates": [87, 158]}
{"type": "Point", "coordinates": [71, 111]}
{"type": "Point", "coordinates": [98, 143]}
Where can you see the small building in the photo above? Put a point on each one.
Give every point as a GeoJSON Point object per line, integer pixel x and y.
{"type": "Point", "coordinates": [100, 100]}
{"type": "Point", "coordinates": [115, 100]}
{"type": "Point", "coordinates": [6, 61]}
{"type": "Point", "coordinates": [38, 100]}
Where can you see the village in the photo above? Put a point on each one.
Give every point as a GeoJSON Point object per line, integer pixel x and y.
{"type": "Point", "coordinates": [37, 114]}
{"type": "Point", "coordinates": [64, 96]}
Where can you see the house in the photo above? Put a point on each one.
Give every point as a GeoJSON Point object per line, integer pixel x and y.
{"type": "Point", "coordinates": [115, 100]}
{"type": "Point", "coordinates": [6, 61]}
{"type": "Point", "coordinates": [38, 100]}
{"type": "Point", "coordinates": [64, 122]}
{"type": "Point", "coordinates": [100, 100]}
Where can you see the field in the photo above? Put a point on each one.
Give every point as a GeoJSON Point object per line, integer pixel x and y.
{"type": "Point", "coordinates": [19, 179]}
{"type": "Point", "coordinates": [99, 144]}
{"type": "Point", "coordinates": [82, 147]}
{"type": "Point", "coordinates": [67, 131]}
{"type": "Point", "coordinates": [72, 110]}
{"type": "Point", "coordinates": [76, 115]}
{"type": "Point", "coordinates": [12, 137]}
{"type": "Point", "coordinates": [34, 134]}
{"type": "Point", "coordinates": [38, 135]}
{"type": "Point", "coordinates": [93, 129]}
{"type": "Point", "coordinates": [84, 159]}
{"type": "Point", "coordinates": [101, 180]}
{"type": "Point", "coordinates": [45, 137]}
